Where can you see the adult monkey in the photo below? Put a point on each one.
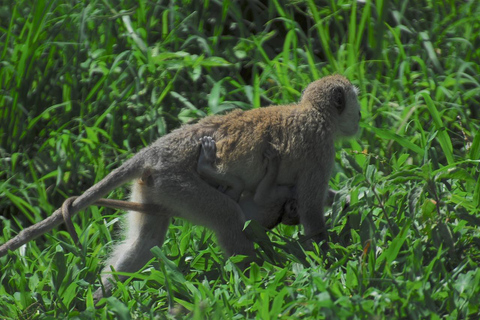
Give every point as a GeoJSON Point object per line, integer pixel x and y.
{"type": "Point", "coordinates": [303, 135]}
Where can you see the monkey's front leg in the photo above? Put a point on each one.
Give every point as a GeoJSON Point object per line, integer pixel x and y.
{"type": "Point", "coordinates": [312, 188]}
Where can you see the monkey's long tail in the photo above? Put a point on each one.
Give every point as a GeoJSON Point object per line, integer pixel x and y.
{"type": "Point", "coordinates": [131, 169]}
{"type": "Point", "coordinates": [56, 219]}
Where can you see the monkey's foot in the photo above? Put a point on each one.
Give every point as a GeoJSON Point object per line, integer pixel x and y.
{"type": "Point", "coordinates": [209, 149]}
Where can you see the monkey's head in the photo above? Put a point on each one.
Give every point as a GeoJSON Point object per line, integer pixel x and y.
{"type": "Point", "coordinates": [336, 98]}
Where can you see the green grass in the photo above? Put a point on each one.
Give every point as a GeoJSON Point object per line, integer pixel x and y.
{"type": "Point", "coordinates": [84, 85]}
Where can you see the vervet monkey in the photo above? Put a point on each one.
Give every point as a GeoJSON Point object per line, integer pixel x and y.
{"type": "Point", "coordinates": [270, 205]}
{"type": "Point", "coordinates": [303, 134]}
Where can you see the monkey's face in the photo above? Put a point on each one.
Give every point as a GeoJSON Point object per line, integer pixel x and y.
{"type": "Point", "coordinates": [348, 108]}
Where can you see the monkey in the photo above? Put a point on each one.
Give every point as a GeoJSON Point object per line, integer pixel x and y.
{"type": "Point", "coordinates": [270, 205]}
{"type": "Point", "coordinates": [302, 133]}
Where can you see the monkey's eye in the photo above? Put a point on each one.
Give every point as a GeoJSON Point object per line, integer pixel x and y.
{"type": "Point", "coordinates": [339, 99]}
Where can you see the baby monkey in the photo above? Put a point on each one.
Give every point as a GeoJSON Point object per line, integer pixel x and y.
{"type": "Point", "coordinates": [269, 205]}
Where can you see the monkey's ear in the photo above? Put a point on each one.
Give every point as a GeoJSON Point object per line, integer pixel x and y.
{"type": "Point", "coordinates": [339, 99]}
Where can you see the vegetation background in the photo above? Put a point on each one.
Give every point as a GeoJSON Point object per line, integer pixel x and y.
{"type": "Point", "coordinates": [85, 84]}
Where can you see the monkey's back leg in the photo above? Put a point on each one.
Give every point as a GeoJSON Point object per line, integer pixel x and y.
{"type": "Point", "coordinates": [142, 232]}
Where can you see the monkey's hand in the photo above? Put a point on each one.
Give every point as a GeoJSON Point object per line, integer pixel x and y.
{"type": "Point", "coordinates": [209, 149]}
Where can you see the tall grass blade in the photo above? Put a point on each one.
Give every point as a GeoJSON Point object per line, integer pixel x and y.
{"type": "Point", "coordinates": [389, 135]}
{"type": "Point", "coordinates": [443, 137]}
